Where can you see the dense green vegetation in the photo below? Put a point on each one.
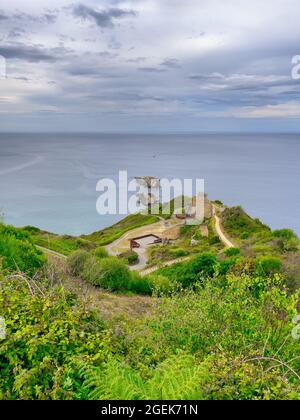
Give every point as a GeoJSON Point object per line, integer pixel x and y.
{"type": "Point", "coordinates": [189, 243]}
{"type": "Point", "coordinates": [17, 251]}
{"type": "Point", "coordinates": [112, 273]}
{"type": "Point", "coordinates": [66, 244]}
{"type": "Point", "coordinates": [276, 251]}
{"type": "Point", "coordinates": [130, 257]}
{"type": "Point", "coordinates": [62, 244]}
{"type": "Point", "coordinates": [219, 327]}
{"type": "Point", "coordinates": [110, 234]}
{"type": "Point", "coordinates": [223, 340]}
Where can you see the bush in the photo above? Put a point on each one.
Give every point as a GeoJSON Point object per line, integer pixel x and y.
{"type": "Point", "coordinates": [232, 252]}
{"type": "Point", "coordinates": [161, 285]}
{"type": "Point", "coordinates": [233, 335]}
{"type": "Point", "coordinates": [140, 285]}
{"type": "Point", "coordinates": [266, 266]}
{"type": "Point", "coordinates": [49, 335]}
{"type": "Point", "coordinates": [245, 236]}
{"type": "Point", "coordinates": [198, 268]}
{"type": "Point", "coordinates": [131, 257]}
{"type": "Point", "coordinates": [236, 222]}
{"type": "Point", "coordinates": [18, 252]}
{"type": "Point", "coordinates": [288, 245]}
{"type": "Point", "coordinates": [109, 273]}
{"type": "Point", "coordinates": [262, 249]}
{"type": "Point", "coordinates": [76, 262]}
{"type": "Point", "coordinates": [284, 234]}
{"type": "Point", "coordinates": [179, 252]}
{"type": "Point", "coordinates": [221, 341]}
{"type": "Point", "coordinates": [100, 252]}
{"type": "Point", "coordinates": [91, 269]}
{"type": "Point", "coordinates": [214, 240]}
{"type": "Point", "coordinates": [226, 266]}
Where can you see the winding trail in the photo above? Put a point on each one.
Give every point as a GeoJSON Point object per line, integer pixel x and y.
{"type": "Point", "coordinates": [113, 248]}
{"type": "Point", "coordinates": [50, 252]}
{"type": "Point", "coordinates": [122, 244]}
{"type": "Point", "coordinates": [219, 231]}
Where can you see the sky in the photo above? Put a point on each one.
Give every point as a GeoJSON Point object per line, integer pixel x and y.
{"type": "Point", "coordinates": [149, 65]}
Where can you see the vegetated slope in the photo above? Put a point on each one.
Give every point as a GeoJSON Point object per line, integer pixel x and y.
{"type": "Point", "coordinates": [238, 223]}
{"type": "Point", "coordinates": [17, 251]}
{"type": "Point", "coordinates": [63, 244]}
{"type": "Point", "coordinates": [258, 242]}
{"type": "Point", "coordinates": [110, 234]}
{"type": "Point", "coordinates": [66, 244]}
{"type": "Point", "coordinates": [228, 332]}
{"type": "Point", "coordinates": [221, 340]}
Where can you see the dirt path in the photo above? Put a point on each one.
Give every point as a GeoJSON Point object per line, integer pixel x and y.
{"type": "Point", "coordinates": [219, 231]}
{"type": "Point", "coordinates": [151, 270]}
{"type": "Point", "coordinates": [122, 244]}
{"type": "Point", "coordinates": [50, 252]}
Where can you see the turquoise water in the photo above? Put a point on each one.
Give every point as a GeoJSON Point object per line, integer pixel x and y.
{"type": "Point", "coordinates": [49, 180]}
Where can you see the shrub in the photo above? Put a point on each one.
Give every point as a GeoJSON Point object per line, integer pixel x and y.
{"type": "Point", "coordinates": [284, 234]}
{"type": "Point", "coordinates": [267, 265]}
{"type": "Point", "coordinates": [49, 334]}
{"type": "Point", "coordinates": [214, 240]}
{"type": "Point", "coordinates": [244, 236]}
{"type": "Point", "coordinates": [18, 252]}
{"type": "Point", "coordinates": [232, 252]}
{"type": "Point", "coordinates": [203, 264]}
{"type": "Point", "coordinates": [100, 252]}
{"type": "Point", "coordinates": [31, 230]}
{"type": "Point", "coordinates": [76, 262]}
{"type": "Point", "coordinates": [262, 249]}
{"type": "Point", "coordinates": [131, 257]}
{"type": "Point", "coordinates": [161, 285]}
{"type": "Point", "coordinates": [236, 222]}
{"type": "Point", "coordinates": [233, 334]}
{"type": "Point", "coordinates": [226, 266]}
{"type": "Point", "coordinates": [179, 252]}
{"type": "Point", "coordinates": [288, 245]}
{"type": "Point", "coordinates": [91, 269]}
{"type": "Point", "coordinates": [140, 285]}
{"type": "Point", "coordinates": [109, 273]}
{"type": "Point", "coordinates": [186, 274]}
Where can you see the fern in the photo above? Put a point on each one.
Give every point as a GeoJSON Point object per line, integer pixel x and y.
{"type": "Point", "coordinates": [177, 378]}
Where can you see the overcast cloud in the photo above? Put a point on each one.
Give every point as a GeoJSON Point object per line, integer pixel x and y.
{"type": "Point", "coordinates": [154, 65]}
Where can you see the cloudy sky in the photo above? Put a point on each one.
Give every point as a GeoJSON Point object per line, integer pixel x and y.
{"type": "Point", "coordinates": [149, 65]}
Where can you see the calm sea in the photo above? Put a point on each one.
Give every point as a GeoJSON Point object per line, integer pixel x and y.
{"type": "Point", "coordinates": [49, 180]}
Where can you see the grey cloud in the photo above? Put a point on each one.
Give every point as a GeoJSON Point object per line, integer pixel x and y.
{"type": "Point", "coordinates": [104, 18]}
{"type": "Point", "coordinates": [151, 69]}
{"type": "Point", "coordinates": [16, 33]}
{"type": "Point", "coordinates": [3, 17]}
{"type": "Point", "coordinates": [136, 60]}
{"type": "Point", "coordinates": [48, 17]}
{"type": "Point", "coordinates": [171, 63]}
{"type": "Point", "coordinates": [91, 71]}
{"type": "Point", "coordinates": [28, 53]}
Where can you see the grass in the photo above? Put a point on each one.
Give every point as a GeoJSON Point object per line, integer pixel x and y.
{"type": "Point", "coordinates": [110, 234]}
{"type": "Point", "coordinates": [66, 244]}
{"type": "Point", "coordinates": [62, 244]}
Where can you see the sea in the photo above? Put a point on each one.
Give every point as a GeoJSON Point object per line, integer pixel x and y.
{"type": "Point", "coordinates": [49, 180]}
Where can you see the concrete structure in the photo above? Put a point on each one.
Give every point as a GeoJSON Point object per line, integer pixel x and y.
{"type": "Point", "coordinates": [204, 231]}
{"type": "Point", "coordinates": [144, 241]}
{"type": "Point", "coordinates": [191, 211]}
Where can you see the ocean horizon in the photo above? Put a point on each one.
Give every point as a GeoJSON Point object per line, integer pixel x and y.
{"type": "Point", "coordinates": [49, 180]}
